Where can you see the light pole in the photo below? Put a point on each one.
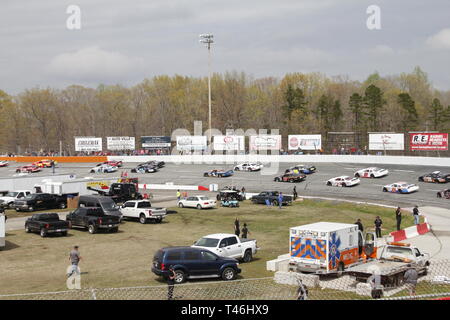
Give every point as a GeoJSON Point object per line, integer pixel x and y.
{"type": "Point", "coordinates": [207, 39]}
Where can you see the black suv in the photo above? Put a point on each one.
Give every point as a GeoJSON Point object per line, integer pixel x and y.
{"type": "Point", "coordinates": [193, 263]}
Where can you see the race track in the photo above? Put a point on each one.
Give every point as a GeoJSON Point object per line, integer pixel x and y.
{"type": "Point", "coordinates": [369, 190]}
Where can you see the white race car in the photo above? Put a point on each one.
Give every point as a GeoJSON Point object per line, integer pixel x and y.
{"type": "Point", "coordinates": [3, 163]}
{"type": "Point", "coordinates": [199, 202]}
{"type": "Point", "coordinates": [401, 187]}
{"type": "Point", "coordinates": [343, 181]}
{"type": "Point", "coordinates": [104, 168]}
{"type": "Point", "coordinates": [249, 166]}
{"type": "Point", "coordinates": [372, 172]}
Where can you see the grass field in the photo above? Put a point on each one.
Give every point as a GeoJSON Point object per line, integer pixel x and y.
{"type": "Point", "coordinates": [30, 263]}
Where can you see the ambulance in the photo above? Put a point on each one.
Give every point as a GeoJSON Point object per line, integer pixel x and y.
{"type": "Point", "coordinates": [327, 247]}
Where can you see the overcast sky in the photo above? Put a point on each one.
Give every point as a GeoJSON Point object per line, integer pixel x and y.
{"type": "Point", "coordinates": [126, 41]}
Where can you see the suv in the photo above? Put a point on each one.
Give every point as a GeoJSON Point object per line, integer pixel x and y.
{"type": "Point", "coordinates": [108, 206]}
{"type": "Point", "coordinates": [193, 263]}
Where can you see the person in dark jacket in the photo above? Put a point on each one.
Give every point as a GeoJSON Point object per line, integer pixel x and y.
{"type": "Point", "coordinates": [237, 229]}
{"type": "Point", "coordinates": [294, 192]}
{"type": "Point", "coordinates": [378, 224]}
{"type": "Point", "coordinates": [360, 225]}
{"type": "Point", "coordinates": [416, 215]}
{"type": "Point", "coordinates": [398, 217]}
{"type": "Point", "coordinates": [170, 283]}
{"type": "Point", "coordinates": [245, 231]}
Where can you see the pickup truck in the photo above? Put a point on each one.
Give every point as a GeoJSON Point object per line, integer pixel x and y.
{"type": "Point", "coordinates": [392, 264]}
{"type": "Point", "coordinates": [273, 198]}
{"type": "Point", "coordinates": [93, 219]}
{"type": "Point", "coordinates": [142, 210]}
{"type": "Point", "coordinates": [229, 246]}
{"type": "Point", "coordinates": [36, 201]}
{"type": "Point", "coordinates": [120, 192]}
{"type": "Point", "coordinates": [7, 201]}
{"type": "Point", "coordinates": [46, 223]}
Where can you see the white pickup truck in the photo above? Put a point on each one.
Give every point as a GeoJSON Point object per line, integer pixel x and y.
{"type": "Point", "coordinates": [142, 210]}
{"type": "Point", "coordinates": [7, 201]}
{"type": "Point", "coordinates": [229, 245]}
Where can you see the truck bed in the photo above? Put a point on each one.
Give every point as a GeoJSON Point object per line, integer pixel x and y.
{"type": "Point", "coordinates": [385, 267]}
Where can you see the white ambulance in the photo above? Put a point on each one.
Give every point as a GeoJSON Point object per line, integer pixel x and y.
{"type": "Point", "coordinates": [327, 247]}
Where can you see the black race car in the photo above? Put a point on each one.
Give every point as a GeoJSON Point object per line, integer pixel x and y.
{"type": "Point", "coordinates": [145, 168]}
{"type": "Point", "coordinates": [301, 168]}
{"type": "Point", "coordinates": [435, 177]}
{"type": "Point", "coordinates": [444, 194]}
{"type": "Point", "coordinates": [290, 177]}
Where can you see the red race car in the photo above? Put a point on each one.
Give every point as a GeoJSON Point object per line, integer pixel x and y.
{"type": "Point", "coordinates": [45, 163]}
{"type": "Point", "coordinates": [28, 169]}
{"type": "Point", "coordinates": [112, 163]}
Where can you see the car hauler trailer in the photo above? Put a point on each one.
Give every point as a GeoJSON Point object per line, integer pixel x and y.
{"type": "Point", "coordinates": [75, 187]}
{"type": "Point", "coordinates": [29, 181]}
{"type": "Point", "coordinates": [327, 247]}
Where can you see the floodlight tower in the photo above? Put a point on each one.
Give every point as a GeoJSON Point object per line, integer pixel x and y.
{"type": "Point", "coordinates": [207, 39]}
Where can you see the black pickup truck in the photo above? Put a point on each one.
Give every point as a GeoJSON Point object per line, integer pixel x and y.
{"type": "Point", "coordinates": [273, 198]}
{"type": "Point", "coordinates": [39, 201]}
{"type": "Point", "coordinates": [93, 219]}
{"type": "Point", "coordinates": [46, 223]}
{"type": "Point", "coordinates": [120, 192]}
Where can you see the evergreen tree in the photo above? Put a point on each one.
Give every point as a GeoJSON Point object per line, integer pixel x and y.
{"type": "Point", "coordinates": [437, 114]}
{"type": "Point", "coordinates": [373, 103]}
{"type": "Point", "coordinates": [410, 117]}
{"type": "Point", "coordinates": [295, 101]}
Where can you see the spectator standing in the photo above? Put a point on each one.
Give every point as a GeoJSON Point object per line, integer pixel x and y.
{"type": "Point", "coordinates": [74, 258]}
{"type": "Point", "coordinates": [237, 229]}
{"type": "Point", "coordinates": [243, 193]}
{"type": "Point", "coordinates": [378, 224]}
{"type": "Point", "coordinates": [302, 291]}
{"type": "Point", "coordinates": [294, 192]}
{"type": "Point", "coordinates": [360, 225]}
{"type": "Point", "coordinates": [280, 200]}
{"type": "Point", "coordinates": [410, 277]}
{"type": "Point", "coordinates": [170, 283]}
{"type": "Point", "coordinates": [245, 231]}
{"type": "Point", "coordinates": [416, 215]}
{"type": "Point", "coordinates": [398, 217]}
{"type": "Point", "coordinates": [268, 204]}
{"type": "Point", "coordinates": [178, 195]}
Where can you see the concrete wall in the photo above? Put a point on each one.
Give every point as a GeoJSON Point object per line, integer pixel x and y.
{"type": "Point", "coordinates": [230, 159]}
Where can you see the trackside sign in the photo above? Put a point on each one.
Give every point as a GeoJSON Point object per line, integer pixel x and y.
{"type": "Point", "coordinates": [88, 144]}
{"type": "Point", "coordinates": [428, 141]}
{"type": "Point", "coordinates": [120, 143]}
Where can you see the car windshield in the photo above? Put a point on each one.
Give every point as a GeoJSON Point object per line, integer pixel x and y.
{"type": "Point", "coordinates": [207, 242]}
{"type": "Point", "coordinates": [30, 196]}
{"type": "Point", "coordinates": [203, 198]}
{"type": "Point", "coordinates": [106, 205]}
{"type": "Point", "coordinates": [144, 204]}
{"type": "Point", "coordinates": [398, 251]}
{"type": "Point", "coordinates": [11, 194]}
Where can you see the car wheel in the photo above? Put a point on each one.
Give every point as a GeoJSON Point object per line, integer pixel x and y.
{"type": "Point", "coordinates": [344, 185]}
{"type": "Point", "coordinates": [357, 175]}
{"type": "Point", "coordinates": [248, 256]}
{"type": "Point", "coordinates": [92, 229]}
{"type": "Point", "coordinates": [43, 233]}
{"type": "Point", "coordinates": [142, 218]}
{"type": "Point", "coordinates": [384, 190]}
{"type": "Point", "coordinates": [181, 205]}
{"type": "Point", "coordinates": [228, 274]}
{"type": "Point", "coordinates": [159, 220]}
{"type": "Point", "coordinates": [30, 209]}
{"type": "Point", "coordinates": [64, 234]}
{"type": "Point", "coordinates": [180, 277]}
{"type": "Point", "coordinates": [328, 183]}
{"type": "Point", "coordinates": [11, 205]}
{"type": "Point", "coordinates": [277, 180]}
{"type": "Point", "coordinates": [70, 224]}
{"type": "Point", "coordinates": [199, 207]}
{"type": "Point", "coordinates": [92, 171]}
{"type": "Point", "coordinates": [236, 169]}
{"type": "Point", "coordinates": [62, 205]}
{"type": "Point", "coordinates": [17, 209]}
{"type": "Point", "coordinates": [27, 229]}
{"type": "Point", "coordinates": [372, 176]}
{"type": "Point", "coordinates": [340, 269]}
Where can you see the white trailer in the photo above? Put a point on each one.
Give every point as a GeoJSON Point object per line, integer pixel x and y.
{"type": "Point", "coordinates": [76, 186]}
{"type": "Point", "coordinates": [2, 230]}
{"type": "Point", "coordinates": [324, 247]}
{"type": "Point", "coordinates": [29, 181]}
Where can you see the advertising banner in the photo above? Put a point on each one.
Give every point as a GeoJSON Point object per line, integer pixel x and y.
{"type": "Point", "coordinates": [428, 141]}
{"type": "Point", "coordinates": [223, 143]}
{"type": "Point", "coordinates": [191, 143]}
{"type": "Point", "coordinates": [120, 143]}
{"type": "Point", "coordinates": [265, 142]}
{"type": "Point", "coordinates": [88, 144]}
{"type": "Point", "coordinates": [386, 141]}
{"type": "Point", "coordinates": [155, 142]}
{"type": "Point", "coordinates": [305, 142]}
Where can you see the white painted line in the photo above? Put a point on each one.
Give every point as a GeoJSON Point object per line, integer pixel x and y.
{"type": "Point", "coordinates": [404, 170]}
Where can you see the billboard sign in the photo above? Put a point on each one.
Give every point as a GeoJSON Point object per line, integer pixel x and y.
{"type": "Point", "coordinates": [155, 142]}
{"type": "Point", "coordinates": [88, 144]}
{"type": "Point", "coordinates": [428, 141]}
{"type": "Point", "coordinates": [386, 141]}
{"type": "Point", "coordinates": [305, 142]}
{"type": "Point", "coordinates": [223, 143]}
{"type": "Point", "coordinates": [120, 143]}
{"type": "Point", "coordinates": [191, 143]}
{"type": "Point", "coordinates": [265, 142]}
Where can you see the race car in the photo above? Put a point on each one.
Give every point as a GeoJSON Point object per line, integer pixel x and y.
{"type": "Point", "coordinates": [28, 169]}
{"type": "Point", "coordinates": [444, 194]}
{"type": "Point", "coordinates": [103, 168]}
{"type": "Point", "coordinates": [343, 181]}
{"type": "Point", "coordinates": [145, 168]}
{"type": "Point", "coordinates": [248, 166]}
{"type": "Point", "coordinates": [45, 163]}
{"type": "Point", "coordinates": [290, 177]}
{"type": "Point", "coordinates": [372, 172]}
{"type": "Point", "coordinates": [301, 168]}
{"type": "Point", "coordinates": [218, 173]}
{"type": "Point", "coordinates": [113, 163]}
{"type": "Point", "coordinates": [3, 163]}
{"type": "Point", "coordinates": [401, 187]}
{"type": "Point", "coordinates": [158, 164]}
{"type": "Point", "coordinates": [435, 177]}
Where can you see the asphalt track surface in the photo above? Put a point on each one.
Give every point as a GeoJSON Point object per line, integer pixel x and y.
{"type": "Point", "coordinates": [369, 190]}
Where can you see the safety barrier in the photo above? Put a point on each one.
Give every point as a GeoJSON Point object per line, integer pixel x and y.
{"type": "Point", "coordinates": [411, 232]}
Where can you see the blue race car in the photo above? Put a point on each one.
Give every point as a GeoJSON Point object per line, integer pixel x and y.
{"type": "Point", "coordinates": [218, 173]}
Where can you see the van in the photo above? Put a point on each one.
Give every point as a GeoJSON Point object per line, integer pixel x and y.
{"type": "Point", "coordinates": [106, 203]}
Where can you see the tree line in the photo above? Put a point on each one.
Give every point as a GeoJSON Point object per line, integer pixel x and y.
{"type": "Point", "coordinates": [299, 103]}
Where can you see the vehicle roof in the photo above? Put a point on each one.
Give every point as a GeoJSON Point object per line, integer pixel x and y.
{"type": "Point", "coordinates": [342, 177]}
{"type": "Point", "coordinates": [178, 248]}
{"type": "Point", "coordinates": [142, 200]}
{"type": "Point", "coordinates": [324, 226]}
{"type": "Point", "coordinates": [219, 235]}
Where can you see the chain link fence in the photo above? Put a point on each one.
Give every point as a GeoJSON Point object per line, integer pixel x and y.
{"type": "Point", "coordinates": [432, 285]}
